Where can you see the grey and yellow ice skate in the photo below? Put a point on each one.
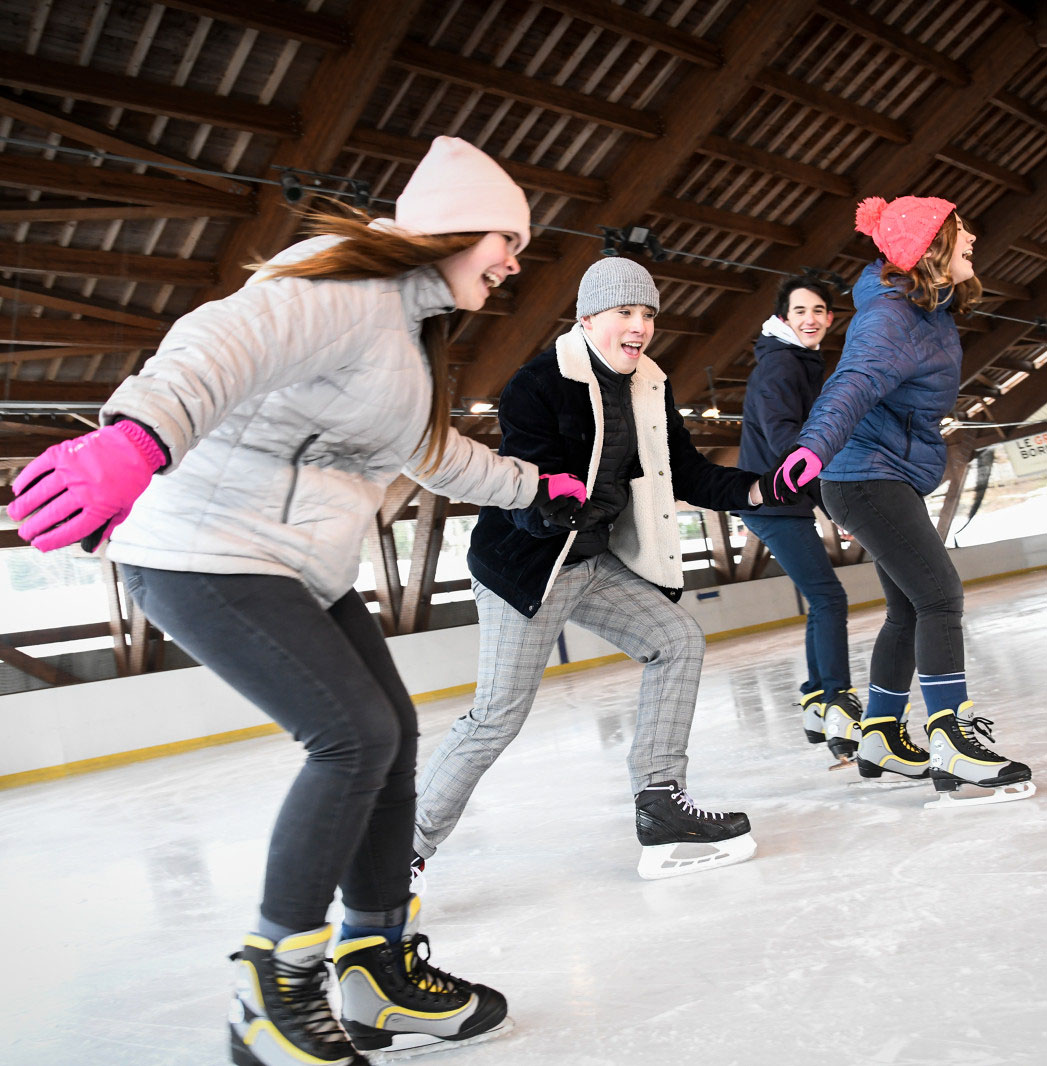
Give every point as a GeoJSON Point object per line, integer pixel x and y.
{"type": "Point", "coordinates": [886, 747]}
{"type": "Point", "coordinates": [280, 1015]}
{"type": "Point", "coordinates": [843, 712]}
{"type": "Point", "coordinates": [812, 707]}
{"type": "Point", "coordinates": [393, 1000]}
{"type": "Point", "coordinates": [959, 758]}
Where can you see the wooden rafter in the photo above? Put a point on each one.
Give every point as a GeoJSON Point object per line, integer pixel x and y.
{"type": "Point", "coordinates": [732, 221]}
{"type": "Point", "coordinates": [93, 211]}
{"type": "Point", "coordinates": [78, 262]}
{"type": "Point", "coordinates": [506, 83]}
{"type": "Point", "coordinates": [757, 159]}
{"type": "Point", "coordinates": [26, 329]}
{"type": "Point", "coordinates": [700, 101]}
{"type": "Point", "coordinates": [981, 352]}
{"type": "Point", "coordinates": [47, 76]}
{"type": "Point", "coordinates": [884, 170]}
{"type": "Point", "coordinates": [283, 20]}
{"type": "Point", "coordinates": [331, 106]}
{"type": "Point", "coordinates": [35, 296]}
{"type": "Point", "coordinates": [106, 183]}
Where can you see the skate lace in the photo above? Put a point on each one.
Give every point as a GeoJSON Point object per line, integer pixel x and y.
{"type": "Point", "coordinates": [688, 806]}
{"type": "Point", "coordinates": [421, 973]}
{"type": "Point", "coordinates": [903, 735]}
{"type": "Point", "coordinates": [304, 991]}
{"type": "Point", "coordinates": [970, 727]}
{"type": "Point", "coordinates": [849, 702]}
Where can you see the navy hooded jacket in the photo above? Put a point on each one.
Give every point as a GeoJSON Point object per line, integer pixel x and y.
{"type": "Point", "coordinates": [778, 397]}
{"type": "Point", "coordinates": [879, 414]}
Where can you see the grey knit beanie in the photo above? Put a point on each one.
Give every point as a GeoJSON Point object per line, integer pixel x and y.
{"type": "Point", "coordinates": [615, 282]}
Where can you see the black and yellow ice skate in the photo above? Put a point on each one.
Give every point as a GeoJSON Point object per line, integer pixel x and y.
{"type": "Point", "coordinates": [958, 757]}
{"type": "Point", "coordinates": [886, 747]}
{"type": "Point", "coordinates": [843, 712]}
{"type": "Point", "coordinates": [394, 1000]}
{"type": "Point", "coordinates": [812, 707]}
{"type": "Point", "coordinates": [280, 1015]}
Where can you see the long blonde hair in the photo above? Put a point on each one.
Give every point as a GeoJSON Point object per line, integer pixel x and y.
{"type": "Point", "coordinates": [376, 252]}
{"type": "Point", "coordinates": [929, 283]}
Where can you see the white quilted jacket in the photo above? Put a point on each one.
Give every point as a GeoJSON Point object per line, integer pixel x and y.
{"type": "Point", "coordinates": [288, 407]}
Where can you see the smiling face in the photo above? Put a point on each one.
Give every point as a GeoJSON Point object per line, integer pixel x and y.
{"type": "Point", "coordinates": [621, 334]}
{"type": "Point", "coordinates": [808, 317]}
{"type": "Point", "coordinates": [472, 274]}
{"type": "Point", "coordinates": [961, 263]}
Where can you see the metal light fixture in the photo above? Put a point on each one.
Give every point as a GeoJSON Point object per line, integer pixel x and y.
{"type": "Point", "coordinates": [479, 407]}
{"type": "Point", "coordinates": [713, 410]}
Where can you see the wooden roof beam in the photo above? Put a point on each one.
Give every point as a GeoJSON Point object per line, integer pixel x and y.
{"type": "Point", "coordinates": [831, 224]}
{"type": "Point", "coordinates": [56, 392]}
{"type": "Point", "coordinates": [692, 274]}
{"type": "Point", "coordinates": [624, 23]}
{"type": "Point", "coordinates": [34, 296]}
{"type": "Point", "coordinates": [52, 78]}
{"type": "Point", "coordinates": [89, 211]}
{"type": "Point", "coordinates": [401, 149]}
{"type": "Point", "coordinates": [732, 221]}
{"type": "Point", "coordinates": [855, 18]}
{"type": "Point", "coordinates": [77, 262]}
{"type": "Point", "coordinates": [701, 101]}
{"type": "Point", "coordinates": [1028, 246]}
{"type": "Point", "coordinates": [782, 84]}
{"type": "Point", "coordinates": [982, 168]}
{"type": "Point", "coordinates": [757, 159]}
{"type": "Point", "coordinates": [1022, 109]}
{"type": "Point", "coordinates": [281, 20]}
{"type": "Point", "coordinates": [110, 337]}
{"type": "Point", "coordinates": [24, 172]}
{"type": "Point", "coordinates": [446, 66]}
{"type": "Point", "coordinates": [331, 105]}
{"type": "Point", "coordinates": [44, 355]}
{"type": "Point", "coordinates": [103, 140]}
{"type": "Point", "coordinates": [983, 351]}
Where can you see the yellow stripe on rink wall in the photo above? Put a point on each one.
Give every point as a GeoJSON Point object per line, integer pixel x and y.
{"type": "Point", "coordinates": [159, 751]}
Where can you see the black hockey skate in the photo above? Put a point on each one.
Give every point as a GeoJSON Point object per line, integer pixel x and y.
{"type": "Point", "coordinates": [678, 837]}
{"type": "Point", "coordinates": [393, 999]}
{"type": "Point", "coordinates": [958, 757]}
{"type": "Point", "coordinates": [280, 1015]}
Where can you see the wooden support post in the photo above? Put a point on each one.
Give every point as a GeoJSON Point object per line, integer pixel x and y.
{"type": "Point", "coordinates": [960, 453]}
{"type": "Point", "coordinates": [428, 536]}
{"type": "Point", "coordinates": [36, 667]}
{"type": "Point", "coordinates": [755, 556]}
{"type": "Point", "coordinates": [117, 624]}
{"type": "Point", "coordinates": [719, 532]}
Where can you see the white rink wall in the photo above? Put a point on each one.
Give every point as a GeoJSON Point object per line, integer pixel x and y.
{"type": "Point", "coordinates": [177, 709]}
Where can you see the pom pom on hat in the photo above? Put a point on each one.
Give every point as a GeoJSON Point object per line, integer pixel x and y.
{"type": "Point", "coordinates": [456, 188]}
{"type": "Point", "coordinates": [615, 282]}
{"type": "Point", "coordinates": [904, 228]}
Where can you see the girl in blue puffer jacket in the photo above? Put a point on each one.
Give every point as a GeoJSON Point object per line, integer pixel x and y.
{"type": "Point", "coordinates": [874, 437]}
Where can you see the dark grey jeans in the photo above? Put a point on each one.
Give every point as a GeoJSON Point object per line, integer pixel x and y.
{"type": "Point", "coordinates": [327, 677]}
{"type": "Point", "coordinates": [924, 625]}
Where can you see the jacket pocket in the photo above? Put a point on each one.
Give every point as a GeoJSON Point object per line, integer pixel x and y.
{"type": "Point", "coordinates": [908, 435]}
{"type": "Point", "coordinates": [296, 461]}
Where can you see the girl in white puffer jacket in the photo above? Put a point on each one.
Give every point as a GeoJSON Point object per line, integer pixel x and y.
{"type": "Point", "coordinates": [277, 418]}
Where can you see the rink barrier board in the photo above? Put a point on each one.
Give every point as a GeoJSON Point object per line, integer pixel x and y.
{"type": "Point", "coordinates": [159, 751]}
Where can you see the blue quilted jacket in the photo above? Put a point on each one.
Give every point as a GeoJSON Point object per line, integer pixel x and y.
{"type": "Point", "coordinates": [878, 415]}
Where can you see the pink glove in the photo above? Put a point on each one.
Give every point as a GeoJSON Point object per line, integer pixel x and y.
{"type": "Point", "coordinates": [84, 485]}
{"type": "Point", "coordinates": [563, 485]}
{"type": "Point", "coordinates": [796, 469]}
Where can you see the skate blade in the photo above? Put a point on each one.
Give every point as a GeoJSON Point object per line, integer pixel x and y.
{"type": "Point", "coordinates": [885, 784]}
{"type": "Point", "coordinates": [658, 861]}
{"type": "Point", "coordinates": [841, 762]}
{"type": "Point", "coordinates": [1020, 790]}
{"type": "Point", "coordinates": [410, 1045]}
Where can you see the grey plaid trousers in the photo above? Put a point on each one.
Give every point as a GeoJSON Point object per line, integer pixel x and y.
{"type": "Point", "coordinates": [600, 594]}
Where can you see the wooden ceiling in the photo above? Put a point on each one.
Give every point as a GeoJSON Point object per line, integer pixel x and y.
{"type": "Point", "coordinates": [738, 132]}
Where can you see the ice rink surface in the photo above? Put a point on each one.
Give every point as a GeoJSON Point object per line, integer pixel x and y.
{"type": "Point", "coordinates": [867, 930]}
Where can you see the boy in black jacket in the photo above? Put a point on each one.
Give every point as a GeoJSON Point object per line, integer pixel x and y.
{"type": "Point", "coordinates": [597, 407]}
{"type": "Point", "coordinates": [778, 397]}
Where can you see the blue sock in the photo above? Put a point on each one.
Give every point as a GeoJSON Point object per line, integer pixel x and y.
{"type": "Point", "coordinates": [392, 933]}
{"type": "Point", "coordinates": [883, 703]}
{"type": "Point", "coordinates": [943, 691]}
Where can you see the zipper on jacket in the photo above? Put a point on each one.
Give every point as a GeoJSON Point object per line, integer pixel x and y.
{"type": "Point", "coordinates": [908, 435]}
{"type": "Point", "coordinates": [295, 460]}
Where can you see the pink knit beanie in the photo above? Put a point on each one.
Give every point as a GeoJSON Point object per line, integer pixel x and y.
{"type": "Point", "coordinates": [904, 228]}
{"type": "Point", "coordinates": [456, 188]}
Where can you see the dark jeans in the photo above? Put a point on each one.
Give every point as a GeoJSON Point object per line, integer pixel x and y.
{"type": "Point", "coordinates": [795, 543]}
{"type": "Point", "coordinates": [923, 629]}
{"type": "Point", "coordinates": [327, 677]}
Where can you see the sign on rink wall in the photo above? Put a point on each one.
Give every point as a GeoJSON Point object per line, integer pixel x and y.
{"type": "Point", "coordinates": [1028, 455]}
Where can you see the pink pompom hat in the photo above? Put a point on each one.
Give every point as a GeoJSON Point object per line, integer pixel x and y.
{"type": "Point", "coordinates": [457, 188]}
{"type": "Point", "coordinates": [904, 228]}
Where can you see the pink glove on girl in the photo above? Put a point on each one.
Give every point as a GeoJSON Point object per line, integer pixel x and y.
{"type": "Point", "coordinates": [563, 485]}
{"type": "Point", "coordinates": [84, 485]}
{"type": "Point", "coordinates": [796, 469]}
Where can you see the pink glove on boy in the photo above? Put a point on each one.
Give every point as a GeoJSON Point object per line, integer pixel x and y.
{"type": "Point", "coordinates": [84, 485]}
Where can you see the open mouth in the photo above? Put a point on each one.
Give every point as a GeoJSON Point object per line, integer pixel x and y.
{"type": "Point", "coordinates": [631, 347]}
{"type": "Point", "coordinates": [492, 280]}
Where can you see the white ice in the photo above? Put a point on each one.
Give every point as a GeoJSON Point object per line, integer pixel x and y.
{"type": "Point", "coordinates": [866, 931]}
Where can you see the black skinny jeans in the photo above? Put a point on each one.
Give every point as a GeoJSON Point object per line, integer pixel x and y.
{"type": "Point", "coordinates": [923, 629]}
{"type": "Point", "coordinates": [327, 677]}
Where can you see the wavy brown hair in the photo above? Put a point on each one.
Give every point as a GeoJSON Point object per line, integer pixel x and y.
{"type": "Point", "coordinates": [929, 282]}
{"type": "Point", "coordinates": [377, 252]}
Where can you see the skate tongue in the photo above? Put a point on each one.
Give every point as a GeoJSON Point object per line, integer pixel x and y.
{"type": "Point", "coordinates": [302, 951]}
